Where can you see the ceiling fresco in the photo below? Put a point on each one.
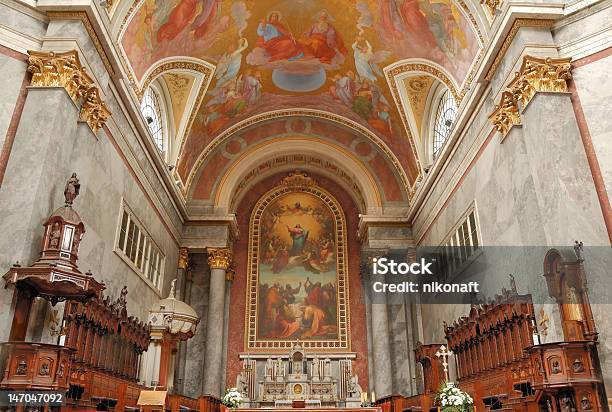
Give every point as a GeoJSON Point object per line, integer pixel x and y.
{"type": "Point", "coordinates": [323, 55]}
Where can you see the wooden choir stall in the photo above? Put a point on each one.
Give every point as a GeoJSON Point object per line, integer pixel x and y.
{"type": "Point", "coordinates": [500, 360]}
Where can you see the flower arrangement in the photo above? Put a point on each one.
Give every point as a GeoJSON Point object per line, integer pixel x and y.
{"type": "Point", "coordinates": [232, 398]}
{"type": "Point", "coordinates": [452, 399]}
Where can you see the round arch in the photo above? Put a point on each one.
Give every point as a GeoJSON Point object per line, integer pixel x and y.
{"type": "Point", "coordinates": [334, 162]}
{"type": "Point", "coordinates": [389, 157]}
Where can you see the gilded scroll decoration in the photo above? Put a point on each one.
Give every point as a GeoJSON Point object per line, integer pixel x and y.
{"type": "Point", "coordinates": [506, 114]}
{"type": "Point", "coordinates": [50, 69]}
{"type": "Point", "coordinates": [535, 75]}
{"type": "Point", "coordinates": [491, 5]}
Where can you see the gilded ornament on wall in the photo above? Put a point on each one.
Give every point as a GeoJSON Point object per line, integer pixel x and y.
{"type": "Point", "coordinates": [50, 69]}
{"type": "Point", "coordinates": [183, 261]}
{"type": "Point", "coordinates": [535, 75]}
{"type": "Point", "coordinates": [491, 5]}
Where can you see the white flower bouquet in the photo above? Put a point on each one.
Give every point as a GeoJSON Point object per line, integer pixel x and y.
{"type": "Point", "coordinates": [452, 399]}
{"type": "Point", "coordinates": [233, 398]}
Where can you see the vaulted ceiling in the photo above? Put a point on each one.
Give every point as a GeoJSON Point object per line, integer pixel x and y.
{"type": "Point", "coordinates": [361, 64]}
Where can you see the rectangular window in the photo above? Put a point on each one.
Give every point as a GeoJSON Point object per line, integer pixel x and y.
{"type": "Point", "coordinates": [460, 245]}
{"type": "Point", "coordinates": [137, 247]}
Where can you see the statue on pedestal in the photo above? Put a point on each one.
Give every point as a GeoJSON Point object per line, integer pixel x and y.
{"type": "Point", "coordinates": [279, 369]}
{"type": "Point", "coordinates": [242, 383]}
{"type": "Point", "coordinates": [327, 374]}
{"type": "Point", "coordinates": [71, 191]}
{"type": "Point", "coordinates": [354, 389]}
{"type": "Point", "coordinates": [270, 370]}
{"type": "Point", "coordinates": [316, 369]}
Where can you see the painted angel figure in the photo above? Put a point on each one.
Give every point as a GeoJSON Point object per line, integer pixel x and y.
{"type": "Point", "coordinates": [230, 62]}
{"type": "Point", "coordinates": [366, 60]}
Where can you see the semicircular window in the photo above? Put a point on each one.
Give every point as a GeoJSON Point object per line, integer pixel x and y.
{"type": "Point", "coordinates": [443, 123]}
{"type": "Point", "coordinates": [151, 111]}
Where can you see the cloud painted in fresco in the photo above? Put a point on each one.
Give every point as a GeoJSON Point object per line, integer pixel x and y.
{"type": "Point", "coordinates": [241, 15]}
{"type": "Point", "coordinates": [365, 18]}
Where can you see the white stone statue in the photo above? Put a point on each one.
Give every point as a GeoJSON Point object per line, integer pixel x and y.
{"type": "Point", "coordinates": [327, 373]}
{"type": "Point", "coordinates": [279, 369]}
{"type": "Point", "coordinates": [316, 369]}
{"type": "Point", "coordinates": [354, 389]}
{"type": "Point", "coordinates": [270, 370]}
{"type": "Point", "coordinates": [242, 383]}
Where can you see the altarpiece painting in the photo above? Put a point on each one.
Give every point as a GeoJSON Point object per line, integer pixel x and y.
{"type": "Point", "coordinates": [297, 274]}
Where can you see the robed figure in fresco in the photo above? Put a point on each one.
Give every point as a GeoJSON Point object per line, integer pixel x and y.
{"type": "Point", "coordinates": [299, 236]}
{"type": "Point", "coordinates": [322, 41]}
{"type": "Point", "coordinates": [426, 26]}
{"type": "Point", "coordinates": [276, 39]}
{"type": "Point", "coordinates": [183, 13]}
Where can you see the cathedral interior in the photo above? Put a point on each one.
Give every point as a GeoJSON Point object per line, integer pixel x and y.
{"type": "Point", "coordinates": [200, 201]}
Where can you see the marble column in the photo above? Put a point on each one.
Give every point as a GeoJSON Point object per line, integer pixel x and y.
{"type": "Point", "coordinates": [229, 277]}
{"type": "Point", "coordinates": [218, 261]}
{"type": "Point", "coordinates": [183, 279]}
{"type": "Point", "coordinates": [381, 350]}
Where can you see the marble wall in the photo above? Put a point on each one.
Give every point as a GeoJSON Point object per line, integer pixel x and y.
{"type": "Point", "coordinates": [49, 145]}
{"type": "Point", "coordinates": [196, 346]}
{"type": "Point", "coordinates": [13, 71]}
{"type": "Point", "coordinates": [594, 87]}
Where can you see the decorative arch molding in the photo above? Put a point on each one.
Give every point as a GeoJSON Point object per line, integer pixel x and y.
{"type": "Point", "coordinates": [397, 72]}
{"type": "Point", "coordinates": [404, 68]}
{"type": "Point", "coordinates": [305, 153]}
{"type": "Point", "coordinates": [362, 131]}
{"type": "Point", "coordinates": [337, 338]}
{"type": "Point", "coordinates": [200, 69]}
{"type": "Point", "coordinates": [201, 72]}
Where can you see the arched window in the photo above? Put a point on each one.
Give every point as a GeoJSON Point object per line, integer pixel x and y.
{"type": "Point", "coordinates": [443, 123]}
{"type": "Point", "coordinates": [151, 110]}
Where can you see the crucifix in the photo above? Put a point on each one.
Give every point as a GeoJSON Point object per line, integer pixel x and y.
{"type": "Point", "coordinates": [442, 353]}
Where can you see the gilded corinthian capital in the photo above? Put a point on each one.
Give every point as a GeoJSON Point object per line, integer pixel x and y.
{"type": "Point", "coordinates": [50, 69]}
{"type": "Point", "coordinates": [535, 75]}
{"type": "Point", "coordinates": [93, 111]}
{"type": "Point", "coordinates": [219, 258]}
{"type": "Point", "coordinates": [183, 261]}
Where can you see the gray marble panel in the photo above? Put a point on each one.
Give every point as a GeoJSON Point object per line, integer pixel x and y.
{"type": "Point", "coordinates": [17, 18]}
{"type": "Point", "coordinates": [594, 85]}
{"type": "Point", "coordinates": [196, 346]}
{"type": "Point", "coordinates": [13, 72]}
